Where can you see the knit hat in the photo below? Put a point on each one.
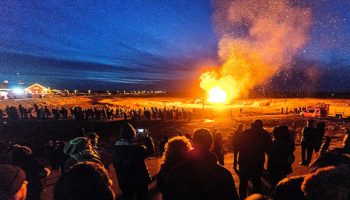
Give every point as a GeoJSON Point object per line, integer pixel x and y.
{"type": "Point", "coordinates": [75, 145]}
{"type": "Point", "coordinates": [11, 180]}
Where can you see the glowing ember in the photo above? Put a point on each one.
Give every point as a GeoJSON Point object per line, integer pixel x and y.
{"type": "Point", "coordinates": [217, 95]}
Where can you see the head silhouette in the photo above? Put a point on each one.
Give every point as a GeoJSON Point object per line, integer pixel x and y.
{"type": "Point", "coordinates": [85, 180]}
{"type": "Point", "coordinates": [202, 139]}
{"type": "Point", "coordinates": [258, 124]}
{"type": "Point", "coordinates": [310, 123]}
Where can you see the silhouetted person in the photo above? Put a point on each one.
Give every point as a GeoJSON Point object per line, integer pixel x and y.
{"type": "Point", "coordinates": [325, 145]}
{"type": "Point", "coordinates": [125, 116]}
{"type": "Point", "coordinates": [328, 183]}
{"type": "Point", "coordinates": [176, 151]}
{"type": "Point", "coordinates": [79, 150]}
{"type": "Point", "coordinates": [252, 146]}
{"type": "Point", "coordinates": [281, 154]}
{"type": "Point", "coordinates": [345, 149]}
{"type": "Point", "coordinates": [307, 142]}
{"type": "Point", "coordinates": [50, 149]}
{"type": "Point", "coordinates": [132, 173]}
{"type": "Point", "coordinates": [290, 188]}
{"type": "Point", "coordinates": [162, 143]}
{"type": "Point", "coordinates": [218, 148]}
{"type": "Point", "coordinates": [104, 155]}
{"type": "Point", "coordinates": [60, 155]}
{"type": "Point", "coordinates": [319, 133]}
{"type": "Point", "coordinates": [21, 156]}
{"type": "Point", "coordinates": [4, 159]}
{"type": "Point", "coordinates": [13, 183]}
{"type": "Point", "coordinates": [200, 176]}
{"type": "Point", "coordinates": [235, 145]}
{"type": "Point", "coordinates": [84, 181]}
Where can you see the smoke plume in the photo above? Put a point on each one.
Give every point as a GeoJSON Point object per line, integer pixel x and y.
{"type": "Point", "coordinates": [256, 39]}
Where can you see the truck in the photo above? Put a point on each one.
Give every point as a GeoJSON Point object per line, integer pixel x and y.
{"type": "Point", "coordinates": [339, 111]}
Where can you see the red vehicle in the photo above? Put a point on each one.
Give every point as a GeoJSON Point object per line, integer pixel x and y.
{"type": "Point", "coordinates": [318, 111]}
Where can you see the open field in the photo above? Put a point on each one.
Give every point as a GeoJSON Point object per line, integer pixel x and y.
{"type": "Point", "coordinates": [217, 117]}
{"type": "Point", "coordinates": [86, 101]}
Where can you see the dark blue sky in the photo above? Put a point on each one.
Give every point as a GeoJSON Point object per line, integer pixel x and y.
{"type": "Point", "coordinates": [138, 44]}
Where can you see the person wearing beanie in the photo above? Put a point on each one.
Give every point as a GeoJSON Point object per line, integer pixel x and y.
{"type": "Point", "coordinates": [132, 173]}
{"type": "Point", "coordinates": [13, 184]}
{"type": "Point", "coordinates": [79, 149]}
{"type": "Point", "coordinates": [200, 176]}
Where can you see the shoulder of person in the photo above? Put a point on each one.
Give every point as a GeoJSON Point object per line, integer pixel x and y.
{"type": "Point", "coordinates": [290, 181]}
{"type": "Point", "coordinates": [224, 171]}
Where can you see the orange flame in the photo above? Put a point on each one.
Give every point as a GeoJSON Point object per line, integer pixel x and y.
{"type": "Point", "coordinates": [217, 95]}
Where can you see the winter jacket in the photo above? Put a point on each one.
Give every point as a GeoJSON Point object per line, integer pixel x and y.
{"type": "Point", "coordinates": [130, 164]}
{"type": "Point", "coordinates": [200, 177]}
{"type": "Point", "coordinates": [252, 145]}
{"type": "Point", "coordinates": [308, 135]}
{"type": "Point", "coordinates": [279, 163]}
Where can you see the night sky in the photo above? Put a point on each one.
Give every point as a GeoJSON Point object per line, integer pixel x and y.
{"type": "Point", "coordinates": [160, 44]}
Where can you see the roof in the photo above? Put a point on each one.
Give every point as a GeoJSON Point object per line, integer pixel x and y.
{"type": "Point", "coordinates": [36, 85]}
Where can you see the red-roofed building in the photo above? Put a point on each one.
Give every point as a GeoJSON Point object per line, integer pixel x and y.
{"type": "Point", "coordinates": [37, 90]}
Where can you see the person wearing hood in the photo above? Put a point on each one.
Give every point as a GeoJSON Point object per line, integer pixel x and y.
{"type": "Point", "coordinates": [200, 176]}
{"type": "Point", "coordinates": [129, 163]}
{"type": "Point", "coordinates": [79, 150]}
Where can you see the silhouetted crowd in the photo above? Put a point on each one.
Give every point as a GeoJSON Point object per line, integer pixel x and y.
{"type": "Point", "coordinates": [97, 113]}
{"type": "Point", "coordinates": [192, 166]}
